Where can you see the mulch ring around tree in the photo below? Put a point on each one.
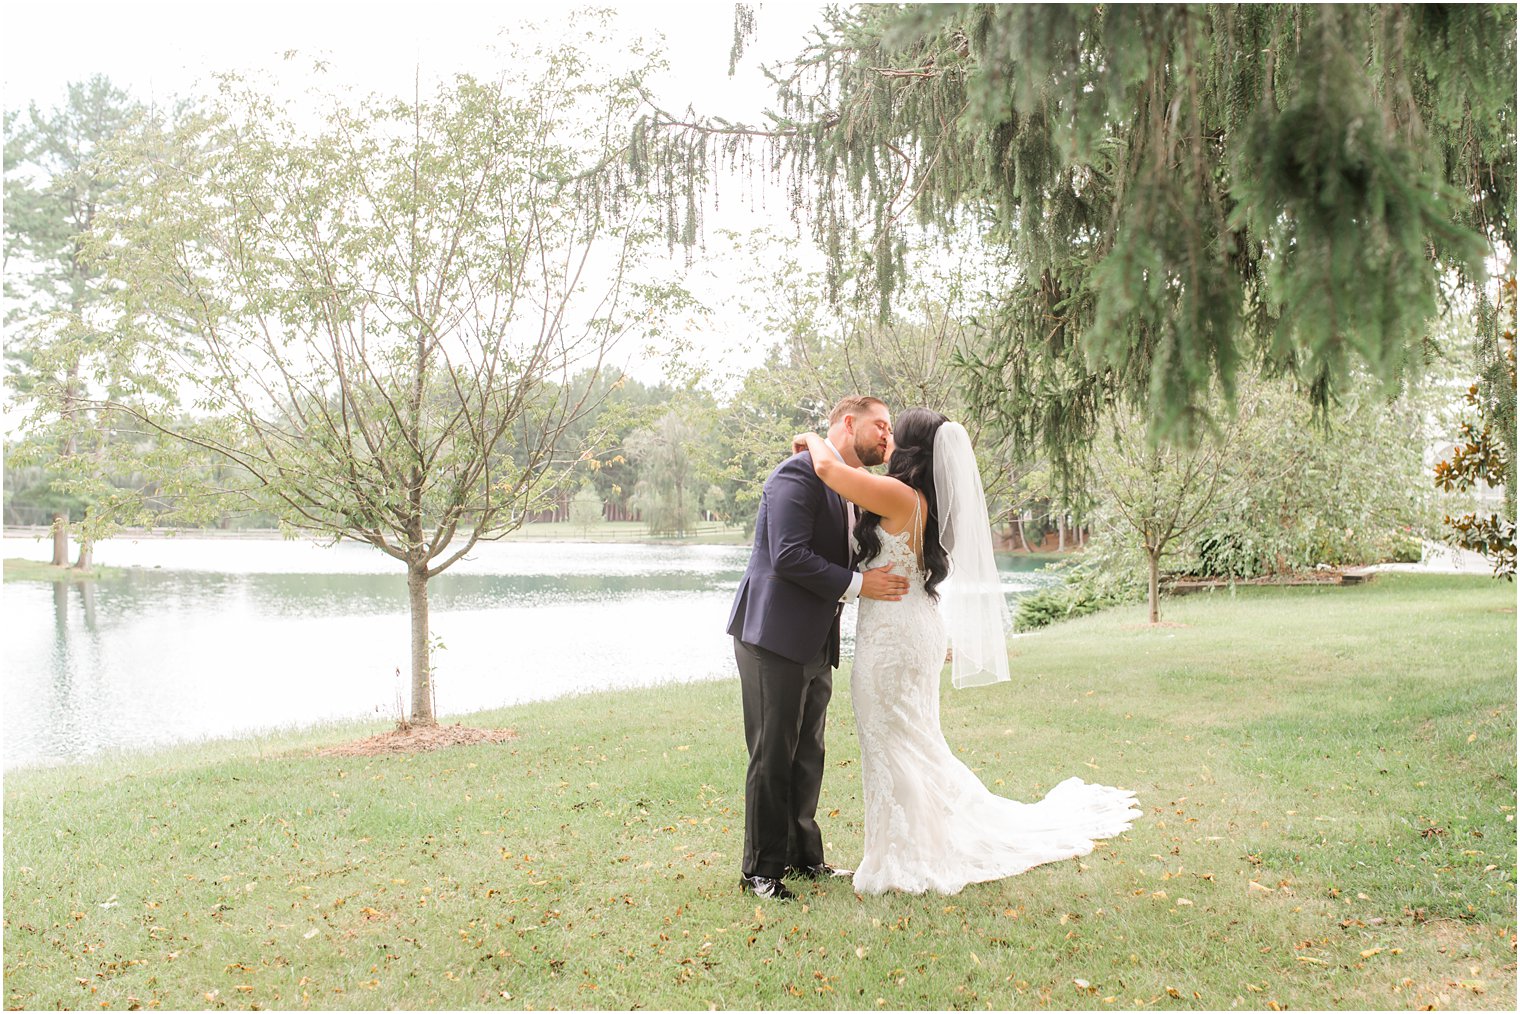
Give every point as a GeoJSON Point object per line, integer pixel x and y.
{"type": "Point", "coordinates": [418, 739]}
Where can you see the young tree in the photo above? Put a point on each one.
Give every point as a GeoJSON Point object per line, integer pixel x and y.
{"type": "Point", "coordinates": [1159, 492]}
{"type": "Point", "coordinates": [1268, 494]}
{"type": "Point", "coordinates": [387, 312]}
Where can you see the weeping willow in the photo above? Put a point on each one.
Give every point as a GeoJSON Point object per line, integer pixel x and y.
{"type": "Point", "coordinates": [1177, 192]}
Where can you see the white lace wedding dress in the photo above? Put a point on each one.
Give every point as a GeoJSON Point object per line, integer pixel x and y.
{"type": "Point", "coordinates": [930, 823]}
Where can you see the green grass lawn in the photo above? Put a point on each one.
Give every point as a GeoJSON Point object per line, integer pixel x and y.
{"type": "Point", "coordinates": [1328, 779]}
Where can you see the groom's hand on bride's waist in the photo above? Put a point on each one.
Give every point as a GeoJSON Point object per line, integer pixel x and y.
{"type": "Point", "coordinates": [879, 584]}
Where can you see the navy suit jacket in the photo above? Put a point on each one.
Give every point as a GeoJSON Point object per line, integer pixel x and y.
{"type": "Point", "coordinates": [788, 600]}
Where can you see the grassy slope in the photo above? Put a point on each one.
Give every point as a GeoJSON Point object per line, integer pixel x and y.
{"type": "Point", "coordinates": [1290, 748]}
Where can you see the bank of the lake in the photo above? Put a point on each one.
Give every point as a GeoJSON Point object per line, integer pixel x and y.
{"type": "Point", "coordinates": [1328, 778]}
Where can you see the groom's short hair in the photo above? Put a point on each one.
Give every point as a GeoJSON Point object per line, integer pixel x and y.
{"type": "Point", "coordinates": [855, 404]}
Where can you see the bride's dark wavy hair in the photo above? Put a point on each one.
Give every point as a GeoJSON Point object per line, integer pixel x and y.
{"type": "Point", "coordinates": [912, 463]}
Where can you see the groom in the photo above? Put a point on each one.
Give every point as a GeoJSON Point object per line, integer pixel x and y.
{"type": "Point", "coordinates": [785, 625]}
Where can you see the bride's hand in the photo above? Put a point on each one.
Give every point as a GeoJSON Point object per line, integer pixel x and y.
{"type": "Point", "coordinates": [800, 442]}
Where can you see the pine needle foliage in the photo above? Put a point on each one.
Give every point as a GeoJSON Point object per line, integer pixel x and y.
{"type": "Point", "coordinates": [1180, 191]}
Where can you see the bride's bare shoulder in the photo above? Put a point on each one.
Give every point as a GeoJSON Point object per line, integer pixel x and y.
{"type": "Point", "coordinates": [915, 505]}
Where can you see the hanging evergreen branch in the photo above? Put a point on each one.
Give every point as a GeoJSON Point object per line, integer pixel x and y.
{"type": "Point", "coordinates": [1180, 191]}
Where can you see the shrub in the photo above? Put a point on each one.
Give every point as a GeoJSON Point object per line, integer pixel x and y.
{"type": "Point", "coordinates": [1109, 572]}
{"type": "Point", "coordinates": [1046, 607]}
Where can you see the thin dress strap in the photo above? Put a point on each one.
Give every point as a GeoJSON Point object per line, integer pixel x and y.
{"type": "Point", "coordinates": [916, 532]}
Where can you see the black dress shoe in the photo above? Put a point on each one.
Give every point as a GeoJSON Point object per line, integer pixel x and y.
{"type": "Point", "coordinates": [766, 887]}
{"type": "Point", "coordinates": [818, 871]}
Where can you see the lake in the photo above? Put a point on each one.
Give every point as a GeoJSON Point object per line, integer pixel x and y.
{"type": "Point", "coordinates": [212, 637]}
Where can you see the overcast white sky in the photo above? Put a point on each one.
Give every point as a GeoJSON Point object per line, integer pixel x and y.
{"type": "Point", "coordinates": [158, 49]}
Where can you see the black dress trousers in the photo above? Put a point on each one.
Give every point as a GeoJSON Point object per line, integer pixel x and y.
{"type": "Point", "coordinates": [784, 707]}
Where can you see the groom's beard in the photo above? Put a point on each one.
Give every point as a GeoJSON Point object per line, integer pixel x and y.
{"type": "Point", "coordinates": [870, 454]}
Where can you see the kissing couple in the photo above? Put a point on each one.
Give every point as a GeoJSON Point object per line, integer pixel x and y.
{"type": "Point", "coordinates": [920, 564]}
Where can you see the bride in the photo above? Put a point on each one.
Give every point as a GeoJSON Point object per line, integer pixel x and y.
{"type": "Point", "coordinates": [930, 823]}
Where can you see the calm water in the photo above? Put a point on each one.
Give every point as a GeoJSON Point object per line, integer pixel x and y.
{"type": "Point", "coordinates": [205, 638]}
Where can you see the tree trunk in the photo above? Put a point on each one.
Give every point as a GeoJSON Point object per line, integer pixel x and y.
{"type": "Point", "coordinates": [60, 538]}
{"type": "Point", "coordinates": [86, 555]}
{"type": "Point", "coordinates": [1154, 556]}
{"type": "Point", "coordinates": [1018, 533]}
{"type": "Point", "coordinates": [422, 672]}
{"type": "Point", "coordinates": [1060, 534]}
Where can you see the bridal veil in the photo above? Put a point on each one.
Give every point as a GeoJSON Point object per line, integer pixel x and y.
{"type": "Point", "coordinates": [971, 597]}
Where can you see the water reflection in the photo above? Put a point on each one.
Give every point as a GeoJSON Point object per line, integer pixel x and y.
{"type": "Point", "coordinates": [240, 637]}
